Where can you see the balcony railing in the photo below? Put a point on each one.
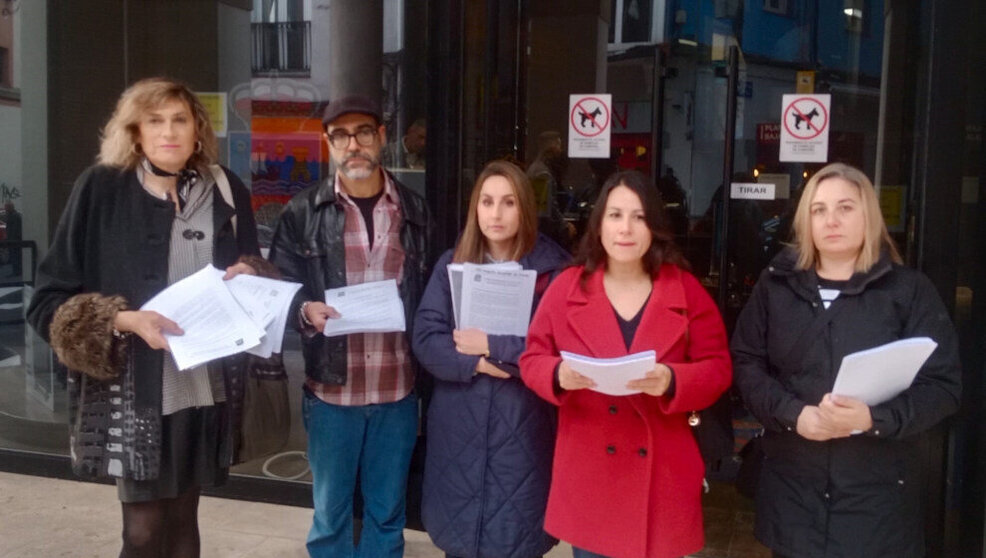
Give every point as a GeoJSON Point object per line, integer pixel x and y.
{"type": "Point", "coordinates": [281, 47]}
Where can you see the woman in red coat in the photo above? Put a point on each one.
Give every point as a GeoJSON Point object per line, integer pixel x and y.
{"type": "Point", "coordinates": [627, 474]}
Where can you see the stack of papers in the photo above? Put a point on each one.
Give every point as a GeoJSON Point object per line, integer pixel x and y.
{"type": "Point", "coordinates": [221, 318]}
{"type": "Point", "coordinates": [612, 374]}
{"type": "Point", "coordinates": [266, 302]}
{"type": "Point", "coordinates": [495, 298]}
{"type": "Point", "coordinates": [374, 307]}
{"type": "Point", "coordinates": [879, 374]}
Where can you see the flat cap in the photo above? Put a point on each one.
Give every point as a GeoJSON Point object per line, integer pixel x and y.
{"type": "Point", "coordinates": [351, 104]}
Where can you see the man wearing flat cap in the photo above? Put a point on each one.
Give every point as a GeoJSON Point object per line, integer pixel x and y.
{"type": "Point", "coordinates": [359, 406]}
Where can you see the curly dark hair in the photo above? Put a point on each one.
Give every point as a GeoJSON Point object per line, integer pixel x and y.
{"type": "Point", "coordinates": [591, 253]}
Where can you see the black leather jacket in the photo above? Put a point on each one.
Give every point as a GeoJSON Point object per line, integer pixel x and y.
{"type": "Point", "coordinates": [308, 248]}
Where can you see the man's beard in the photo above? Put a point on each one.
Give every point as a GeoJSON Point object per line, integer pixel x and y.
{"type": "Point", "coordinates": [359, 173]}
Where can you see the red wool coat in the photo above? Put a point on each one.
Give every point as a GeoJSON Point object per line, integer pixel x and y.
{"type": "Point", "coordinates": [627, 474]}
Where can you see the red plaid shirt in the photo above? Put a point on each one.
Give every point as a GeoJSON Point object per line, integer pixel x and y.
{"type": "Point", "coordinates": [378, 364]}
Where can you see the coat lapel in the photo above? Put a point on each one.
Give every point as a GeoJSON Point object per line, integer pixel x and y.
{"type": "Point", "coordinates": [665, 318]}
{"type": "Point", "coordinates": [663, 323]}
{"type": "Point", "coordinates": [593, 319]}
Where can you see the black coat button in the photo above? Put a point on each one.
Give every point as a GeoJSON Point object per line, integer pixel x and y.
{"type": "Point", "coordinates": [611, 449]}
{"type": "Point", "coordinates": [612, 409]}
{"type": "Point", "coordinates": [642, 452]}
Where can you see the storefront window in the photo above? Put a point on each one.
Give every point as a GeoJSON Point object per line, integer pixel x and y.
{"type": "Point", "coordinates": [32, 398]}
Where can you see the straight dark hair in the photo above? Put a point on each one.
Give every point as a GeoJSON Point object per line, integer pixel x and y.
{"type": "Point", "coordinates": [592, 255]}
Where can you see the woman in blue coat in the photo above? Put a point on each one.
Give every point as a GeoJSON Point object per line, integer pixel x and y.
{"type": "Point", "coordinates": [490, 439]}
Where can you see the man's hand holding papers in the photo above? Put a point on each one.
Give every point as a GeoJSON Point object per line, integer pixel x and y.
{"type": "Point", "coordinates": [365, 308]}
{"type": "Point", "coordinates": [317, 313]}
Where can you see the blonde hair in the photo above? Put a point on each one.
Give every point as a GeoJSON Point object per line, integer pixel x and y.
{"type": "Point", "coordinates": [875, 235]}
{"type": "Point", "coordinates": [472, 244]}
{"type": "Point", "coordinates": [120, 138]}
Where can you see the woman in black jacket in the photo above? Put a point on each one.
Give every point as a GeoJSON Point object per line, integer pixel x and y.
{"type": "Point", "coordinates": [840, 478]}
{"type": "Point", "coordinates": [147, 216]}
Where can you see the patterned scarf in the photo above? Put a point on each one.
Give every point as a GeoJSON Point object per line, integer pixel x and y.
{"type": "Point", "coordinates": [186, 178]}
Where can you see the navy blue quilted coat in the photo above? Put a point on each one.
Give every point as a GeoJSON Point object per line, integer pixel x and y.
{"type": "Point", "coordinates": [490, 440]}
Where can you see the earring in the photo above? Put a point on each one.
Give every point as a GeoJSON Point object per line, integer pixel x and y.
{"type": "Point", "coordinates": [135, 148]}
{"type": "Point", "coordinates": [198, 146]}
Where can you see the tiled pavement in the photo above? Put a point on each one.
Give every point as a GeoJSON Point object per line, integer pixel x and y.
{"type": "Point", "coordinates": [51, 518]}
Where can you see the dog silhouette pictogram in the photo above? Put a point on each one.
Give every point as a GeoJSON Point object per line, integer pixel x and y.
{"type": "Point", "coordinates": [807, 118]}
{"type": "Point", "coordinates": [589, 116]}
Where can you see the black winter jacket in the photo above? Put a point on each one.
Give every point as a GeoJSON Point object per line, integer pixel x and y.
{"type": "Point", "coordinates": [113, 239]}
{"type": "Point", "coordinates": [308, 248]}
{"type": "Point", "coordinates": [856, 496]}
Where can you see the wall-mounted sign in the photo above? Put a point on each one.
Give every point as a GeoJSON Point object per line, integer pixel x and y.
{"type": "Point", "coordinates": [589, 125]}
{"type": "Point", "coordinates": [751, 191]}
{"type": "Point", "coordinates": [805, 128]}
{"type": "Point", "coordinates": [215, 105]}
{"type": "Point", "coordinates": [805, 82]}
{"type": "Point", "coordinates": [892, 206]}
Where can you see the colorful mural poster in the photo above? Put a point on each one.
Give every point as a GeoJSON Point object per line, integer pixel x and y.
{"type": "Point", "coordinates": [281, 165]}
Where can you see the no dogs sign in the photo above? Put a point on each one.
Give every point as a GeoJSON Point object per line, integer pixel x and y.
{"type": "Point", "coordinates": [589, 125]}
{"type": "Point", "coordinates": [805, 128]}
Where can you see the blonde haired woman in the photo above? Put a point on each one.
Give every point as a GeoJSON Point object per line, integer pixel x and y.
{"type": "Point", "coordinates": [148, 215]}
{"type": "Point", "coordinates": [841, 478]}
{"type": "Point", "coordinates": [490, 439]}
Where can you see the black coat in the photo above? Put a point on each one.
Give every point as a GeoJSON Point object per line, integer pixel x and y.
{"type": "Point", "coordinates": [856, 496]}
{"type": "Point", "coordinates": [490, 440]}
{"type": "Point", "coordinates": [308, 248]}
{"type": "Point", "coordinates": [113, 239]}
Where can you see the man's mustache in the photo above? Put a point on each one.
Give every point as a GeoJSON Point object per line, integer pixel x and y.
{"type": "Point", "coordinates": [359, 156]}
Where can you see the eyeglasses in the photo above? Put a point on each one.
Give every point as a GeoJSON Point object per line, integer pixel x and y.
{"type": "Point", "coordinates": [364, 136]}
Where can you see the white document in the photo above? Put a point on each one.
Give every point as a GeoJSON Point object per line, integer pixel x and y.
{"type": "Point", "coordinates": [269, 299]}
{"type": "Point", "coordinates": [612, 374]}
{"type": "Point", "coordinates": [455, 283]}
{"type": "Point", "coordinates": [496, 300]}
{"type": "Point", "coordinates": [214, 323]}
{"type": "Point", "coordinates": [365, 308]}
{"type": "Point", "coordinates": [881, 373]}
{"type": "Point", "coordinates": [251, 298]}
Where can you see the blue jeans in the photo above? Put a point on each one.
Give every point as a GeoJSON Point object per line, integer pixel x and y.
{"type": "Point", "coordinates": [375, 441]}
{"type": "Point", "coordinates": [579, 553]}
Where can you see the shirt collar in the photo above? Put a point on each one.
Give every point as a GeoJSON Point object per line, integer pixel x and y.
{"type": "Point", "coordinates": [389, 189]}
